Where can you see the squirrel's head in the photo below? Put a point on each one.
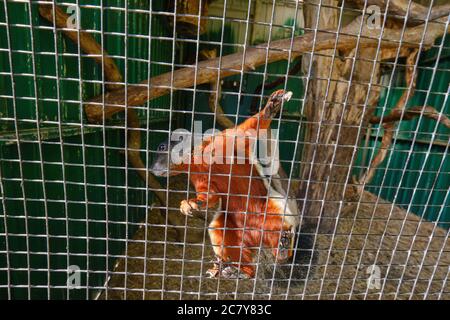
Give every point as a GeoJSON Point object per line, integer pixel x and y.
{"type": "Point", "coordinates": [275, 101]}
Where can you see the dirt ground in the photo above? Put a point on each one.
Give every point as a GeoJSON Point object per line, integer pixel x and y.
{"type": "Point", "coordinates": [413, 257]}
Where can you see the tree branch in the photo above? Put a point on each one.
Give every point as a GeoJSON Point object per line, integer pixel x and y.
{"type": "Point", "coordinates": [417, 13]}
{"type": "Point", "coordinates": [386, 142]}
{"type": "Point", "coordinates": [87, 44]}
{"type": "Point", "coordinates": [207, 71]}
{"type": "Point", "coordinates": [271, 85]}
{"type": "Point", "coordinates": [389, 126]}
{"type": "Point", "coordinates": [214, 98]}
{"type": "Point", "coordinates": [112, 73]}
{"type": "Point", "coordinates": [134, 156]}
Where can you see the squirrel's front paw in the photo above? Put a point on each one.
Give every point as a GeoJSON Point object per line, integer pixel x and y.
{"type": "Point", "coordinates": [186, 207]}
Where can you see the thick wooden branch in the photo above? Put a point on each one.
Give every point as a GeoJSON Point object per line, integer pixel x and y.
{"type": "Point", "coordinates": [207, 71]}
{"type": "Point", "coordinates": [87, 44]}
{"type": "Point", "coordinates": [416, 13]}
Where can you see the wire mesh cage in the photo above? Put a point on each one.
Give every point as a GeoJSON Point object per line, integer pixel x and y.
{"type": "Point", "coordinates": [333, 116]}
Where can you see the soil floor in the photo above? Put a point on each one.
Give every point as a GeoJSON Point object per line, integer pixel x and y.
{"type": "Point", "coordinates": [413, 257]}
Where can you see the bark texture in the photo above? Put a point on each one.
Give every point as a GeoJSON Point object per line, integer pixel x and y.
{"type": "Point", "coordinates": [339, 100]}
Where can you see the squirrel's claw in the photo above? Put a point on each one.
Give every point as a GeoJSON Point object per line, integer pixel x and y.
{"type": "Point", "coordinates": [186, 207]}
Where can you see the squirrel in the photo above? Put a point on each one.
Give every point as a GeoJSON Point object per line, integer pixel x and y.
{"type": "Point", "coordinates": [251, 212]}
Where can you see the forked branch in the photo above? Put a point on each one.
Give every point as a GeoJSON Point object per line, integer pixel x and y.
{"type": "Point", "coordinates": [389, 127]}
{"type": "Point", "coordinates": [397, 114]}
{"type": "Point", "coordinates": [215, 95]}
{"type": "Point", "coordinates": [411, 113]}
{"type": "Point", "coordinates": [90, 46]}
{"type": "Point", "coordinates": [415, 12]}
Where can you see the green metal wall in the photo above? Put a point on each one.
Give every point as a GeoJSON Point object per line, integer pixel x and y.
{"type": "Point", "coordinates": [426, 169]}
{"type": "Point", "coordinates": [234, 105]}
{"type": "Point", "coordinates": [72, 214]}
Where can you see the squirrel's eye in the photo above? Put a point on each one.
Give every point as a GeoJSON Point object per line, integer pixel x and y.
{"type": "Point", "coordinates": [162, 147]}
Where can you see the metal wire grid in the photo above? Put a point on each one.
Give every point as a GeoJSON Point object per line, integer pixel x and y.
{"type": "Point", "coordinates": [248, 22]}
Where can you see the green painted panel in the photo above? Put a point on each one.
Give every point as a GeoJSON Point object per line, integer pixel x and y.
{"type": "Point", "coordinates": [70, 199]}
{"type": "Point", "coordinates": [425, 167]}
{"type": "Point", "coordinates": [429, 205]}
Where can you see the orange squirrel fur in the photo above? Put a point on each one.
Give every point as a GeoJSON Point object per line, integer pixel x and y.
{"type": "Point", "coordinates": [247, 217]}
